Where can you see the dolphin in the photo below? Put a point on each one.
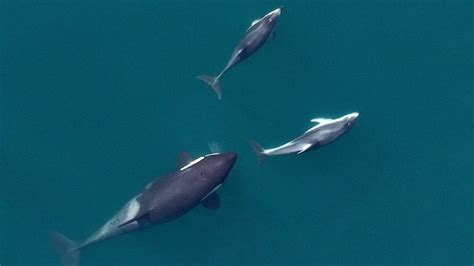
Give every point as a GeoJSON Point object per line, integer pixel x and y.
{"type": "Point", "coordinates": [162, 200]}
{"type": "Point", "coordinates": [324, 132]}
{"type": "Point", "coordinates": [256, 36]}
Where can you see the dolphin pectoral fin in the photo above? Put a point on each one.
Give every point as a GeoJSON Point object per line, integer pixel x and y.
{"type": "Point", "coordinates": [271, 38]}
{"type": "Point", "coordinates": [300, 152]}
{"type": "Point", "coordinates": [212, 202]}
{"type": "Point", "coordinates": [305, 148]}
{"type": "Point", "coordinates": [183, 159]}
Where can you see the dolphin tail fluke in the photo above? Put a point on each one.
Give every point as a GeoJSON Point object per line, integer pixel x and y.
{"type": "Point", "coordinates": [214, 83]}
{"type": "Point", "coordinates": [259, 151]}
{"type": "Point", "coordinates": [66, 248]}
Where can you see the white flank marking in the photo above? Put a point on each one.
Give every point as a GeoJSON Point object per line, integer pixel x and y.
{"type": "Point", "coordinates": [133, 209]}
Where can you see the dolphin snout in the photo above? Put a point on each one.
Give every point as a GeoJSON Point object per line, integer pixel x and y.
{"type": "Point", "coordinates": [353, 117]}
{"type": "Point", "coordinates": [275, 13]}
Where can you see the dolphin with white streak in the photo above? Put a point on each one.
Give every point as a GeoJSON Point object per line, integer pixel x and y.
{"type": "Point", "coordinates": [323, 133]}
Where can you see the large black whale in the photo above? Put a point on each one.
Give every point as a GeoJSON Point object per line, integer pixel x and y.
{"type": "Point", "coordinates": [161, 201]}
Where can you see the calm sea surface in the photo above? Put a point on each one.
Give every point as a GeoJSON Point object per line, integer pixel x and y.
{"type": "Point", "coordinates": [98, 97]}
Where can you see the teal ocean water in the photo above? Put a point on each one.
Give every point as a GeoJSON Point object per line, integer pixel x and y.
{"type": "Point", "coordinates": [98, 97]}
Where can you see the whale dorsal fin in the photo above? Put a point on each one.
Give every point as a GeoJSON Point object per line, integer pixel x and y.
{"type": "Point", "coordinates": [321, 120]}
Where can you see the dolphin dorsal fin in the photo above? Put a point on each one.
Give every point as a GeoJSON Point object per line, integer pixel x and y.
{"type": "Point", "coordinates": [253, 23]}
{"type": "Point", "coordinates": [321, 120]}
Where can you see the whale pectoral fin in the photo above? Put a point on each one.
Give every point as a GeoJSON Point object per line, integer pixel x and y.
{"type": "Point", "coordinates": [212, 202]}
{"type": "Point", "coordinates": [142, 220]}
{"type": "Point", "coordinates": [183, 159]}
{"type": "Point", "coordinates": [274, 33]}
{"type": "Point", "coordinates": [304, 148]}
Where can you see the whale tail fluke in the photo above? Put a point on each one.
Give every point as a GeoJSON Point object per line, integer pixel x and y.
{"type": "Point", "coordinates": [214, 82]}
{"type": "Point", "coordinates": [66, 249]}
{"type": "Point", "coordinates": [259, 151]}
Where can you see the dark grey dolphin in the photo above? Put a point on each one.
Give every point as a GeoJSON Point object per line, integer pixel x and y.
{"type": "Point", "coordinates": [256, 36]}
{"type": "Point", "coordinates": [162, 200]}
{"type": "Point", "coordinates": [326, 131]}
